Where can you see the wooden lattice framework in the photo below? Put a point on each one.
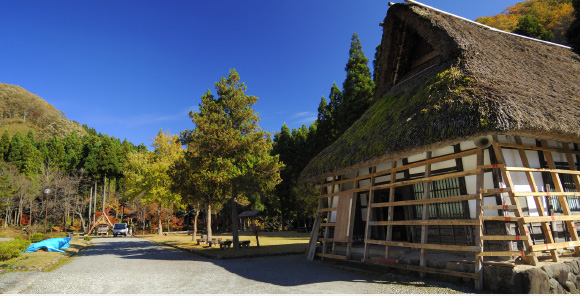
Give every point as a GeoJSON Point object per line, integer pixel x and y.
{"type": "Point", "coordinates": [509, 211]}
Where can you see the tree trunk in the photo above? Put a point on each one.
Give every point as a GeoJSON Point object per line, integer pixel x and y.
{"type": "Point", "coordinates": [95, 205]}
{"type": "Point", "coordinates": [235, 234]}
{"type": "Point", "coordinates": [80, 214]}
{"type": "Point", "coordinates": [104, 187]}
{"type": "Point", "coordinates": [20, 210]}
{"type": "Point", "coordinates": [160, 230]}
{"type": "Point", "coordinates": [195, 223]}
{"type": "Point", "coordinates": [90, 207]}
{"type": "Point", "coordinates": [209, 221]}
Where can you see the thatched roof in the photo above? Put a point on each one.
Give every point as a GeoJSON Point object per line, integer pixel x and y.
{"type": "Point", "coordinates": [456, 80]}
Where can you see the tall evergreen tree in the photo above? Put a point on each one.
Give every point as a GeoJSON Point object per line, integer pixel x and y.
{"type": "Point", "coordinates": [573, 33]}
{"type": "Point", "coordinates": [4, 145]}
{"type": "Point", "coordinates": [357, 88]}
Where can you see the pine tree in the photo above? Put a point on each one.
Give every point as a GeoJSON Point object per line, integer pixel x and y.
{"type": "Point", "coordinates": [573, 33]}
{"type": "Point", "coordinates": [357, 88]}
{"type": "Point", "coordinates": [230, 151]}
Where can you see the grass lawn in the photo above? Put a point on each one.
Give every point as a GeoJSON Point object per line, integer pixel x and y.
{"type": "Point", "coordinates": [42, 260]}
{"type": "Point", "coordinates": [271, 243]}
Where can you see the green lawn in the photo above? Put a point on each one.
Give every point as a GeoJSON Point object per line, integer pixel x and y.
{"type": "Point", "coordinates": [271, 243]}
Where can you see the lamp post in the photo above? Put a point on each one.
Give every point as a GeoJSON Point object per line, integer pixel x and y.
{"type": "Point", "coordinates": [46, 192]}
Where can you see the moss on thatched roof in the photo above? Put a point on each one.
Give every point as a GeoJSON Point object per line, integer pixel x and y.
{"type": "Point", "coordinates": [482, 81]}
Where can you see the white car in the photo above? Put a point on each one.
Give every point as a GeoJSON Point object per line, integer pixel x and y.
{"type": "Point", "coordinates": [120, 229]}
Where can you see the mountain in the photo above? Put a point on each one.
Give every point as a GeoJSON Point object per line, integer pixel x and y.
{"type": "Point", "coordinates": [22, 111]}
{"type": "Point", "coordinates": [551, 15]}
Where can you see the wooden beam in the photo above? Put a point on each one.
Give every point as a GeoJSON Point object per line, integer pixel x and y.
{"type": "Point", "coordinates": [425, 215]}
{"type": "Point", "coordinates": [429, 179]}
{"type": "Point", "coordinates": [451, 248]}
{"type": "Point", "coordinates": [427, 222]}
{"type": "Point", "coordinates": [479, 181]}
{"type": "Point", "coordinates": [527, 169]}
{"type": "Point", "coordinates": [533, 259]}
{"type": "Point", "coordinates": [328, 224]}
{"type": "Point", "coordinates": [536, 148]}
{"type": "Point", "coordinates": [563, 202]}
{"type": "Point", "coordinates": [547, 193]}
{"type": "Point", "coordinates": [326, 210]}
{"type": "Point", "coordinates": [488, 263]}
{"type": "Point", "coordinates": [333, 256]}
{"type": "Point", "coordinates": [369, 209]}
{"type": "Point", "coordinates": [504, 253]}
{"type": "Point", "coordinates": [391, 212]}
{"type": "Point", "coordinates": [378, 261]}
{"type": "Point", "coordinates": [494, 191]}
{"type": "Point", "coordinates": [504, 207]}
{"type": "Point", "coordinates": [554, 246]}
{"type": "Point", "coordinates": [504, 237]}
{"type": "Point", "coordinates": [428, 201]}
{"type": "Point", "coordinates": [502, 218]}
{"type": "Point", "coordinates": [540, 219]}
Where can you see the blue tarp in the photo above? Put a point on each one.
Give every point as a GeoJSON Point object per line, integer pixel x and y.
{"type": "Point", "coordinates": [51, 245]}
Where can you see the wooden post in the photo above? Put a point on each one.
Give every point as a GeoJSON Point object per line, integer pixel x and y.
{"type": "Point", "coordinates": [531, 258]}
{"type": "Point", "coordinates": [425, 216]}
{"type": "Point", "coordinates": [369, 209]}
{"type": "Point", "coordinates": [391, 208]}
{"type": "Point", "coordinates": [539, 203]}
{"type": "Point", "coordinates": [480, 232]}
{"type": "Point", "coordinates": [562, 198]}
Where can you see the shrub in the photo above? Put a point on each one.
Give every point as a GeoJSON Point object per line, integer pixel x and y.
{"type": "Point", "coordinates": [36, 237]}
{"type": "Point", "coordinates": [11, 249]}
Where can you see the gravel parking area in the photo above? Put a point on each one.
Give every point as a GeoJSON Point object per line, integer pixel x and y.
{"type": "Point", "coordinates": [137, 266]}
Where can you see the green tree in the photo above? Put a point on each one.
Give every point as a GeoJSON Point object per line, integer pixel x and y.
{"type": "Point", "coordinates": [4, 145]}
{"type": "Point", "coordinates": [148, 174]}
{"type": "Point", "coordinates": [529, 26]}
{"type": "Point", "coordinates": [573, 32]}
{"type": "Point", "coordinates": [228, 147]}
{"type": "Point", "coordinates": [357, 88]}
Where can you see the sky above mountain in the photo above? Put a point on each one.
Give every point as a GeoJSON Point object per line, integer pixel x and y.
{"type": "Point", "coordinates": [129, 68]}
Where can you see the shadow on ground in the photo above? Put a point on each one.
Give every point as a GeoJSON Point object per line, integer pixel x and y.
{"type": "Point", "coordinates": [291, 270]}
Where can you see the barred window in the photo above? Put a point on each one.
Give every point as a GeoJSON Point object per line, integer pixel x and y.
{"type": "Point", "coordinates": [569, 186]}
{"type": "Point", "coordinates": [442, 188]}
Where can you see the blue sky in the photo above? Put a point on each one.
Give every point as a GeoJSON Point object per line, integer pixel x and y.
{"type": "Point", "coordinates": [129, 68]}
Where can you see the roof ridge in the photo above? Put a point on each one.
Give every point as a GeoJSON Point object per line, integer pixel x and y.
{"type": "Point", "coordinates": [485, 26]}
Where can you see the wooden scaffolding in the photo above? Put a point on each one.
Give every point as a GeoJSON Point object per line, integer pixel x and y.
{"type": "Point", "coordinates": [530, 248]}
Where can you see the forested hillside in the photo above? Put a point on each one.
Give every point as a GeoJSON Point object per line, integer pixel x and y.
{"type": "Point", "coordinates": [542, 19]}
{"type": "Point", "coordinates": [23, 111]}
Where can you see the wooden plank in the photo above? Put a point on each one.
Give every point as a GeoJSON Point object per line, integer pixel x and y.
{"type": "Point", "coordinates": [451, 248]}
{"type": "Point", "coordinates": [576, 178]}
{"type": "Point", "coordinates": [555, 246]}
{"type": "Point", "coordinates": [326, 210]}
{"type": "Point", "coordinates": [504, 237]}
{"type": "Point", "coordinates": [479, 181]}
{"type": "Point", "coordinates": [429, 179]}
{"type": "Point", "coordinates": [563, 202]}
{"type": "Point", "coordinates": [391, 211]}
{"type": "Point", "coordinates": [328, 224]}
{"type": "Point", "coordinates": [533, 259]}
{"type": "Point", "coordinates": [427, 201]}
{"type": "Point", "coordinates": [540, 193]}
{"type": "Point", "coordinates": [501, 218]}
{"type": "Point", "coordinates": [503, 253]}
{"type": "Point", "coordinates": [313, 239]}
{"type": "Point", "coordinates": [426, 162]}
{"type": "Point", "coordinates": [539, 219]}
{"type": "Point", "coordinates": [333, 256]}
{"type": "Point", "coordinates": [504, 207]}
{"type": "Point", "coordinates": [536, 148]}
{"type": "Point", "coordinates": [558, 171]}
{"type": "Point", "coordinates": [427, 222]}
{"type": "Point", "coordinates": [488, 263]}
{"type": "Point", "coordinates": [351, 215]}
{"type": "Point", "coordinates": [342, 218]}
{"type": "Point", "coordinates": [425, 215]}
{"type": "Point", "coordinates": [378, 261]}
{"type": "Point", "coordinates": [369, 210]}
{"type": "Point", "coordinates": [494, 191]}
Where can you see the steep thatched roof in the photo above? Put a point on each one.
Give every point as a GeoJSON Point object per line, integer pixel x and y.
{"type": "Point", "coordinates": [444, 79]}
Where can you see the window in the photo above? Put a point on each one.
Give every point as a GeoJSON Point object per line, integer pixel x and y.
{"type": "Point", "coordinates": [569, 186]}
{"type": "Point", "coordinates": [442, 188]}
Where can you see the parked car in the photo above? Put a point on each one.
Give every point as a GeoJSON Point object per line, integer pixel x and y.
{"type": "Point", "coordinates": [120, 229]}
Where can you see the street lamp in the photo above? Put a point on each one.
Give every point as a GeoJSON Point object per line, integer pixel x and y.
{"type": "Point", "coordinates": [46, 192]}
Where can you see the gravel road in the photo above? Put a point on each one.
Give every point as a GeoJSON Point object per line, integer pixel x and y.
{"type": "Point", "coordinates": [137, 266]}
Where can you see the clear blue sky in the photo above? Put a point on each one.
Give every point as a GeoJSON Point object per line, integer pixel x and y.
{"type": "Point", "coordinates": [129, 68]}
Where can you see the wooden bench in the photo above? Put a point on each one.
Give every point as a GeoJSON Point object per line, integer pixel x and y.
{"type": "Point", "coordinates": [245, 243]}
{"type": "Point", "coordinates": [201, 241]}
{"type": "Point", "coordinates": [225, 245]}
